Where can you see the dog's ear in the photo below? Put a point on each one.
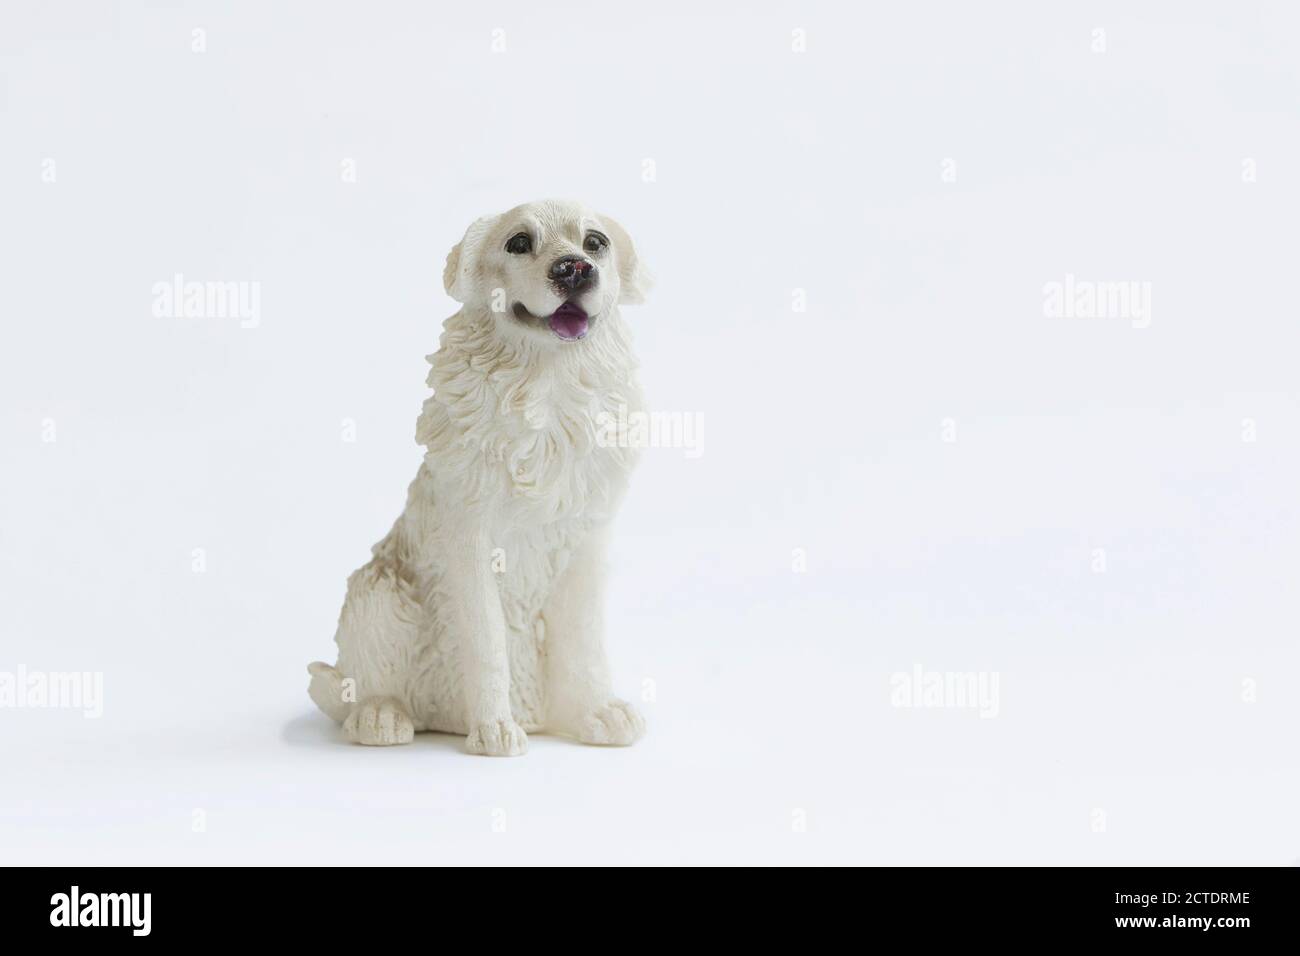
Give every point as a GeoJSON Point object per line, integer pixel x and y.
{"type": "Point", "coordinates": [634, 280]}
{"type": "Point", "coordinates": [462, 261]}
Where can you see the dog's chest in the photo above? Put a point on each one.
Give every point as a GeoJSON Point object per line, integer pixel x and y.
{"type": "Point", "coordinates": [527, 444]}
{"type": "Point", "coordinates": [555, 464]}
{"type": "Point", "coordinates": [559, 479]}
{"type": "Point", "coordinates": [531, 449]}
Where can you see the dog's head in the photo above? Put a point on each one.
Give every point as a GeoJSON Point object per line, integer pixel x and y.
{"type": "Point", "coordinates": [550, 270]}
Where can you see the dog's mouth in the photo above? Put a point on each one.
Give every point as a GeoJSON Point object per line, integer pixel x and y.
{"type": "Point", "coordinates": [569, 322]}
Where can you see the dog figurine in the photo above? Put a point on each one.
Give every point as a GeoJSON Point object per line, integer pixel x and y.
{"type": "Point", "coordinates": [480, 613]}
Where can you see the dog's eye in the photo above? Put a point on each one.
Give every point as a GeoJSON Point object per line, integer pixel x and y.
{"type": "Point", "coordinates": [519, 244]}
{"type": "Point", "coordinates": [594, 242]}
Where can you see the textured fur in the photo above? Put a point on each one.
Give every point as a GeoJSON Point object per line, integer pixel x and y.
{"type": "Point", "coordinates": [480, 613]}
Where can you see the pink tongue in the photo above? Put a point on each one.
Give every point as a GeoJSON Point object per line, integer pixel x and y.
{"type": "Point", "coordinates": [568, 321]}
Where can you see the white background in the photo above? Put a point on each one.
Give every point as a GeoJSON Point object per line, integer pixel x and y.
{"type": "Point", "coordinates": [1128, 730]}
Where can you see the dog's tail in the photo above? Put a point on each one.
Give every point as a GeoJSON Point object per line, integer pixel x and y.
{"type": "Point", "coordinates": [326, 689]}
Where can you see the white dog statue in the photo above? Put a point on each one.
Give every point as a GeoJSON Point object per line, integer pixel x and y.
{"type": "Point", "coordinates": [480, 613]}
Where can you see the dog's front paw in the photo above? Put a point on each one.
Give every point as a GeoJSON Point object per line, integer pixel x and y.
{"type": "Point", "coordinates": [615, 724]}
{"type": "Point", "coordinates": [497, 738]}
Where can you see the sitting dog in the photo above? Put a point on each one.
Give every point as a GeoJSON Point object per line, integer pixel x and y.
{"type": "Point", "coordinates": [480, 613]}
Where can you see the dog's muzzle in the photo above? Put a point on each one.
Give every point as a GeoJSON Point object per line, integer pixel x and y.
{"type": "Point", "coordinates": [569, 322]}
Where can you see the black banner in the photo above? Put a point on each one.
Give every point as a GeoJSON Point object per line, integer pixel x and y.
{"type": "Point", "coordinates": [214, 906]}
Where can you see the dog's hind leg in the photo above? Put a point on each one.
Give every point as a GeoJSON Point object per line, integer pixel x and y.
{"type": "Point", "coordinates": [379, 722]}
{"type": "Point", "coordinates": [369, 692]}
{"type": "Point", "coordinates": [375, 721]}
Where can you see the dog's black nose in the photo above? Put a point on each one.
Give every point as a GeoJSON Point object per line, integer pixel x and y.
{"type": "Point", "coordinates": [573, 272]}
